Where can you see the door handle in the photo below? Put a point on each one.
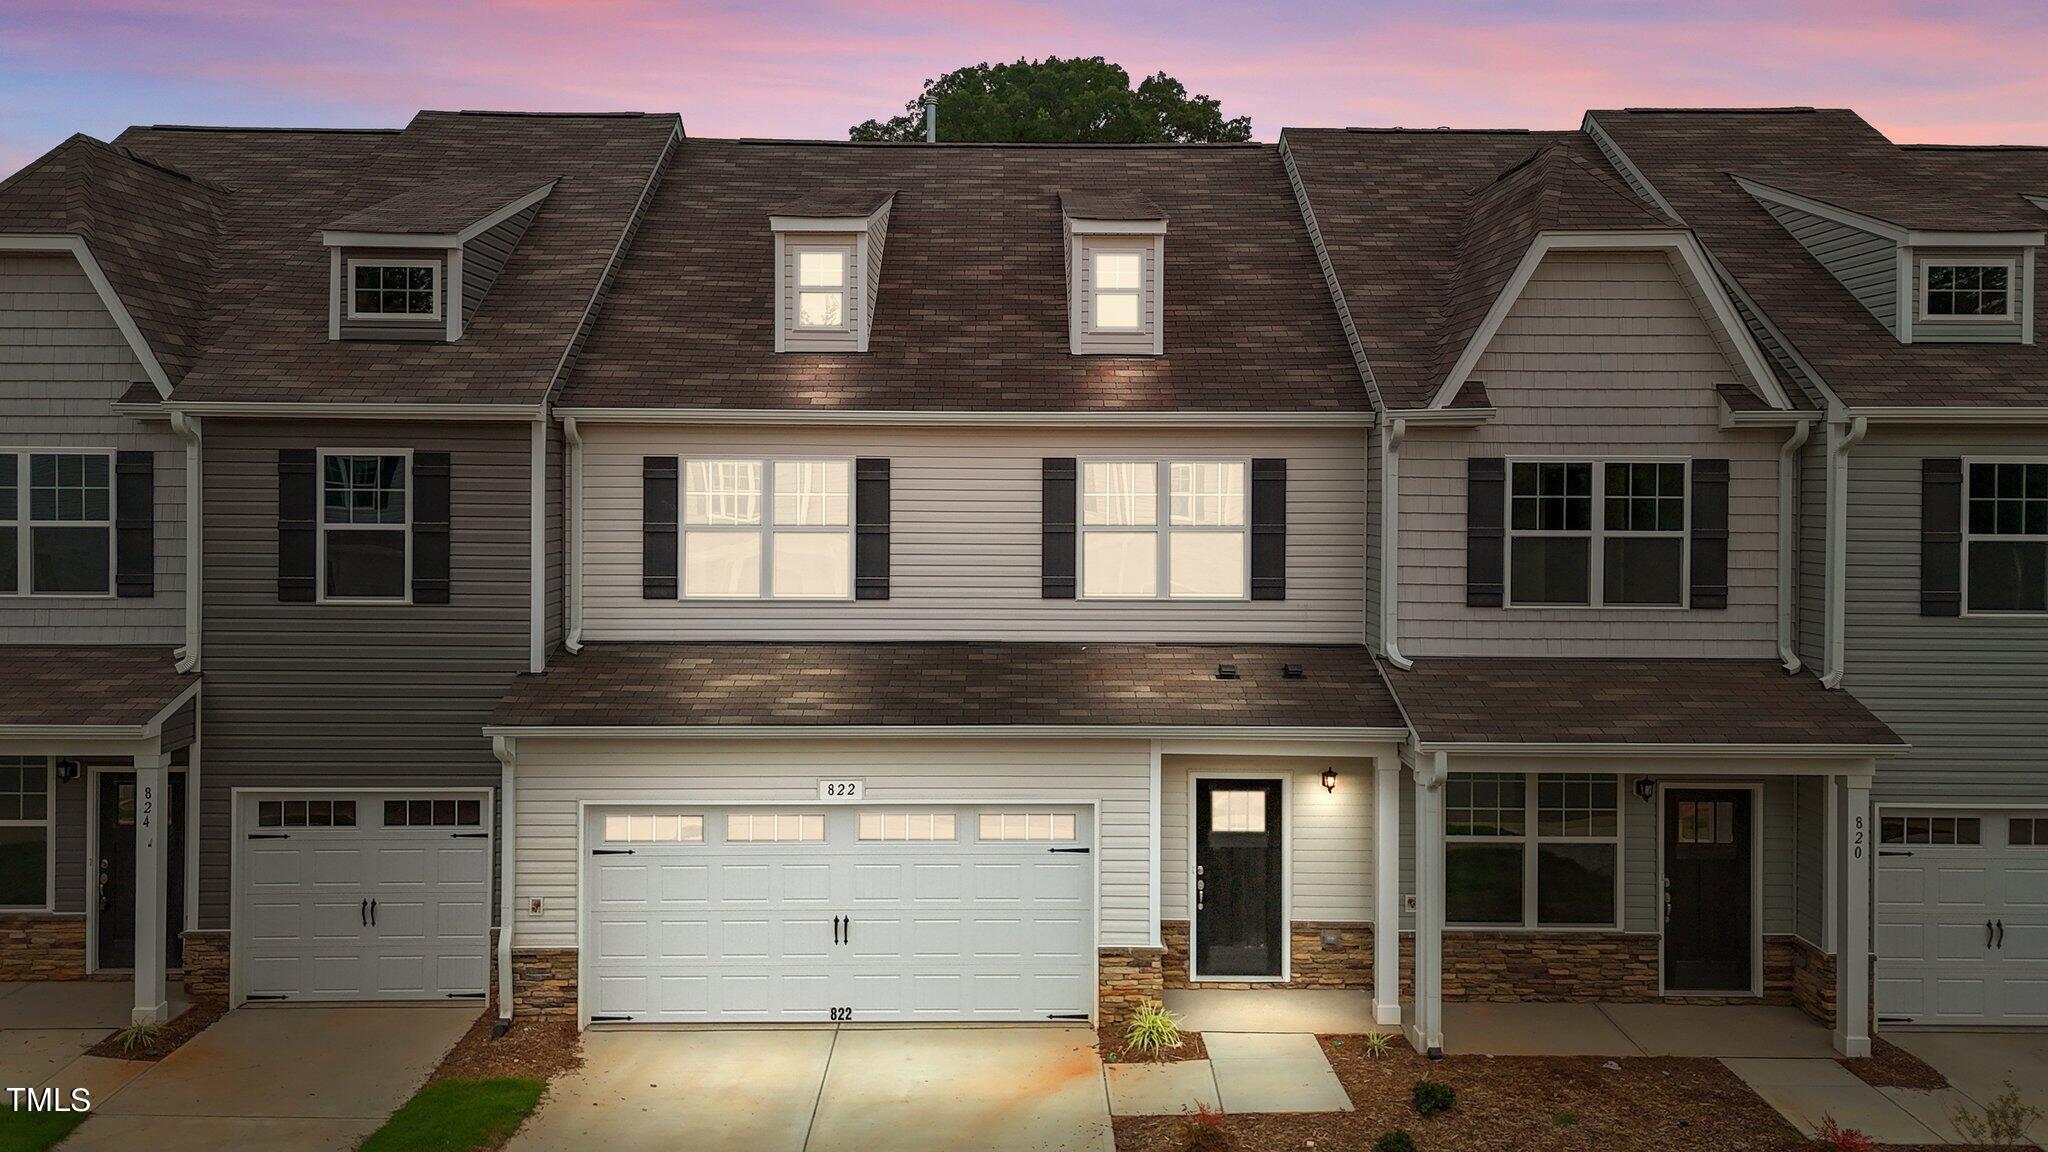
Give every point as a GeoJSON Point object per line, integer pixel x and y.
{"type": "Point", "coordinates": [835, 929]}
{"type": "Point", "coordinates": [365, 911]}
{"type": "Point", "coordinates": [373, 913]}
{"type": "Point", "coordinates": [2001, 934]}
{"type": "Point", "coordinates": [1987, 933]}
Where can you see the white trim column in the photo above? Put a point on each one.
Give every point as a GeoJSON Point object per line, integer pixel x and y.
{"type": "Point", "coordinates": [1386, 903]}
{"type": "Point", "coordinates": [1426, 1032]}
{"type": "Point", "coordinates": [1852, 916]}
{"type": "Point", "coordinates": [152, 871]}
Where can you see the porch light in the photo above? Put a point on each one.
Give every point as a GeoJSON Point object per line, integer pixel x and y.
{"type": "Point", "coordinates": [1645, 788]}
{"type": "Point", "coordinates": [1329, 779]}
{"type": "Point", "coordinates": [68, 770]}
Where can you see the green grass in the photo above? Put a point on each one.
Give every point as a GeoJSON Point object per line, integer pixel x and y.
{"type": "Point", "coordinates": [34, 1131]}
{"type": "Point", "coordinates": [457, 1116]}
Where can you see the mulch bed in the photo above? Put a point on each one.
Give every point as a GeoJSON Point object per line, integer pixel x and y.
{"type": "Point", "coordinates": [1191, 1048]}
{"type": "Point", "coordinates": [1890, 1066]}
{"type": "Point", "coordinates": [196, 1018]}
{"type": "Point", "coordinates": [1564, 1103]}
{"type": "Point", "coordinates": [537, 1047]}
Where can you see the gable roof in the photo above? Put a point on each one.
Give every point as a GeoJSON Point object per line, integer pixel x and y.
{"type": "Point", "coordinates": [971, 309]}
{"type": "Point", "coordinates": [445, 207]}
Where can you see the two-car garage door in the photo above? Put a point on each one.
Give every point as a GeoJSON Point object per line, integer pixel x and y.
{"type": "Point", "coordinates": [1962, 917]}
{"type": "Point", "coordinates": [715, 914]}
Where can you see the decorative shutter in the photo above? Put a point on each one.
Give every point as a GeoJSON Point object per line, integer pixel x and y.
{"type": "Point", "coordinates": [871, 529]}
{"type": "Point", "coordinates": [135, 523]}
{"type": "Point", "coordinates": [658, 508]}
{"type": "Point", "coordinates": [1269, 529]}
{"type": "Point", "coordinates": [1941, 536]}
{"type": "Point", "coordinates": [1486, 506]}
{"type": "Point", "coordinates": [1710, 534]}
{"type": "Point", "coordinates": [430, 527]}
{"type": "Point", "coordinates": [298, 498]}
{"type": "Point", "coordinates": [1059, 490]}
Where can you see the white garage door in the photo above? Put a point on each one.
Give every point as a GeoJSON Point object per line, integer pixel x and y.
{"type": "Point", "coordinates": [363, 896]}
{"type": "Point", "coordinates": [1962, 917]}
{"type": "Point", "coordinates": [838, 913]}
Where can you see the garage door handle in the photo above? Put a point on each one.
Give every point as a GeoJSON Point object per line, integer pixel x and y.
{"type": "Point", "coordinates": [373, 913]}
{"type": "Point", "coordinates": [1892, 852]}
{"type": "Point", "coordinates": [1987, 933]}
{"type": "Point", "coordinates": [2001, 934]}
{"type": "Point", "coordinates": [835, 929]}
{"type": "Point", "coordinates": [365, 911]}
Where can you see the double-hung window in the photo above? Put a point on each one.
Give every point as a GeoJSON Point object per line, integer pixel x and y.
{"type": "Point", "coordinates": [776, 528]}
{"type": "Point", "coordinates": [401, 289]}
{"type": "Point", "coordinates": [1118, 303]}
{"type": "Point", "coordinates": [24, 831]}
{"type": "Point", "coordinates": [1192, 546]}
{"type": "Point", "coordinates": [365, 521]}
{"type": "Point", "coordinates": [56, 523]}
{"type": "Point", "coordinates": [821, 286]}
{"type": "Point", "coordinates": [2005, 538]}
{"type": "Point", "coordinates": [1591, 533]}
{"type": "Point", "coordinates": [1538, 850]}
{"type": "Point", "coordinates": [1966, 289]}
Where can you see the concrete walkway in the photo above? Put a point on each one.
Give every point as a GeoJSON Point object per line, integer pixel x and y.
{"type": "Point", "coordinates": [1808, 1092]}
{"type": "Point", "coordinates": [47, 1026]}
{"type": "Point", "coordinates": [1318, 1011]}
{"type": "Point", "coordinates": [1739, 1030]}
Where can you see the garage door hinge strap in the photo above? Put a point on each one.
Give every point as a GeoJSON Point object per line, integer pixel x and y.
{"type": "Point", "coordinates": [1082, 850]}
{"type": "Point", "coordinates": [1067, 1016]}
{"type": "Point", "coordinates": [471, 835]}
{"type": "Point", "coordinates": [465, 995]}
{"type": "Point", "coordinates": [611, 851]}
{"type": "Point", "coordinates": [1892, 852]}
{"type": "Point", "coordinates": [269, 836]}
{"type": "Point", "coordinates": [1894, 1019]}
{"type": "Point", "coordinates": [265, 996]}
{"type": "Point", "coordinates": [609, 1019]}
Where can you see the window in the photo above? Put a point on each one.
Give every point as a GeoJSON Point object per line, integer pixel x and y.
{"type": "Point", "coordinates": [2005, 538]}
{"type": "Point", "coordinates": [654, 828]}
{"type": "Point", "coordinates": [1237, 811]}
{"type": "Point", "coordinates": [1027, 826]}
{"type": "Point", "coordinates": [1631, 554]}
{"type": "Point", "coordinates": [774, 828]}
{"type": "Point", "coordinates": [364, 516]}
{"type": "Point", "coordinates": [1958, 831]}
{"type": "Point", "coordinates": [1118, 296]}
{"type": "Point", "coordinates": [1558, 870]}
{"type": "Point", "coordinates": [1976, 289]}
{"type": "Point", "coordinates": [405, 289]}
{"type": "Point", "coordinates": [433, 813]}
{"type": "Point", "coordinates": [923, 826]}
{"type": "Point", "coordinates": [306, 814]}
{"type": "Point", "coordinates": [24, 832]}
{"type": "Point", "coordinates": [56, 523]}
{"type": "Point", "coordinates": [1201, 547]}
{"type": "Point", "coordinates": [2027, 831]}
{"type": "Point", "coordinates": [821, 284]}
{"type": "Point", "coordinates": [803, 552]}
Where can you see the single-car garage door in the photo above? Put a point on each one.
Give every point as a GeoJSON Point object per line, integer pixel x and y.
{"type": "Point", "coordinates": [363, 895]}
{"type": "Point", "coordinates": [702, 913]}
{"type": "Point", "coordinates": [1962, 917]}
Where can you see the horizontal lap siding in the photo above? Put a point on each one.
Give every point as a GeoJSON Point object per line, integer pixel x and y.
{"type": "Point", "coordinates": [1602, 357]}
{"type": "Point", "coordinates": [1331, 835]}
{"type": "Point", "coordinates": [965, 539]}
{"type": "Point", "coordinates": [555, 775]}
{"type": "Point", "coordinates": [1866, 263]}
{"type": "Point", "coordinates": [1970, 694]}
{"type": "Point", "coordinates": [1810, 848]}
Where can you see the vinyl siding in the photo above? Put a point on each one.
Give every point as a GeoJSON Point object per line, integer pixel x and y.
{"type": "Point", "coordinates": [554, 775]}
{"type": "Point", "coordinates": [62, 361]}
{"type": "Point", "coordinates": [1866, 264]}
{"type": "Point", "coordinates": [484, 257]}
{"type": "Point", "coordinates": [965, 541]}
{"type": "Point", "coordinates": [1330, 837]}
{"type": "Point", "coordinates": [1605, 355]}
{"type": "Point", "coordinates": [70, 834]}
{"type": "Point", "coordinates": [1375, 589]}
{"type": "Point", "coordinates": [326, 695]}
{"type": "Point", "coordinates": [1809, 858]}
{"type": "Point", "coordinates": [1970, 694]}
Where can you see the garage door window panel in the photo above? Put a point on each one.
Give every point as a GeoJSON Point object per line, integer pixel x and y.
{"type": "Point", "coordinates": [775, 828]}
{"type": "Point", "coordinates": [414, 813]}
{"type": "Point", "coordinates": [906, 826]}
{"type": "Point", "coordinates": [1951, 831]}
{"type": "Point", "coordinates": [306, 814]}
{"type": "Point", "coordinates": [1041, 826]}
{"type": "Point", "coordinates": [653, 828]}
{"type": "Point", "coordinates": [2005, 539]}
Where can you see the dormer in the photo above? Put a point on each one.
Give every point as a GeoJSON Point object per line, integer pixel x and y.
{"type": "Point", "coordinates": [828, 267]}
{"type": "Point", "coordinates": [1116, 274]}
{"type": "Point", "coordinates": [418, 265]}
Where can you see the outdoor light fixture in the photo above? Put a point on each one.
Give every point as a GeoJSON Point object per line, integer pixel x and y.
{"type": "Point", "coordinates": [68, 770]}
{"type": "Point", "coordinates": [1645, 788]}
{"type": "Point", "coordinates": [1329, 779]}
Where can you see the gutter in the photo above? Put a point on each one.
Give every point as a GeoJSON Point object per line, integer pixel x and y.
{"type": "Point", "coordinates": [507, 751]}
{"type": "Point", "coordinates": [1392, 433]}
{"type": "Point", "coordinates": [937, 731]}
{"type": "Point", "coordinates": [1842, 436]}
{"type": "Point", "coordinates": [572, 533]}
{"type": "Point", "coordinates": [961, 419]}
{"type": "Point", "coordinates": [187, 428]}
{"type": "Point", "coordinates": [1788, 542]}
{"type": "Point", "coordinates": [1639, 750]}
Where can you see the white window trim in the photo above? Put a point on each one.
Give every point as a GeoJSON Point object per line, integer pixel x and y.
{"type": "Point", "coordinates": [1150, 240]}
{"type": "Point", "coordinates": [320, 537]}
{"type": "Point", "coordinates": [847, 254]}
{"type": "Point", "coordinates": [766, 529]}
{"type": "Point", "coordinates": [24, 550]}
{"type": "Point", "coordinates": [348, 289]}
{"type": "Point", "coordinates": [1530, 841]}
{"type": "Point", "coordinates": [1162, 527]}
{"type": "Point", "coordinates": [1596, 576]}
{"type": "Point", "coordinates": [2012, 286]}
{"type": "Point", "coordinates": [1969, 538]}
{"type": "Point", "coordinates": [49, 826]}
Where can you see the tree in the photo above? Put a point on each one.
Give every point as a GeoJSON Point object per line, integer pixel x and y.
{"type": "Point", "coordinates": [1055, 101]}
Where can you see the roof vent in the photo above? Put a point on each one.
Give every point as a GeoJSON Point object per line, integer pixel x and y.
{"type": "Point", "coordinates": [1226, 671]}
{"type": "Point", "coordinates": [1293, 672]}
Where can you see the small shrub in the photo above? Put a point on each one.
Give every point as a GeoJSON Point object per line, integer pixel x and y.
{"type": "Point", "coordinates": [1843, 1139]}
{"type": "Point", "coordinates": [2004, 1121]}
{"type": "Point", "coordinates": [1396, 1141]}
{"type": "Point", "coordinates": [1152, 1031]}
{"type": "Point", "coordinates": [1204, 1131]}
{"type": "Point", "coordinates": [1378, 1044]}
{"type": "Point", "coordinates": [1433, 1097]}
{"type": "Point", "coordinates": [139, 1038]}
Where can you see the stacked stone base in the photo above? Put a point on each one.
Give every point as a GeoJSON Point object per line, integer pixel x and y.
{"type": "Point", "coordinates": [42, 946]}
{"type": "Point", "coordinates": [543, 981]}
{"type": "Point", "coordinates": [1321, 955]}
{"type": "Point", "coordinates": [206, 964]}
{"type": "Point", "coordinates": [1127, 980]}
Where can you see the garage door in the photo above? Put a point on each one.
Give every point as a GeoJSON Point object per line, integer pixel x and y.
{"type": "Point", "coordinates": [838, 913]}
{"type": "Point", "coordinates": [363, 896]}
{"type": "Point", "coordinates": [1962, 917]}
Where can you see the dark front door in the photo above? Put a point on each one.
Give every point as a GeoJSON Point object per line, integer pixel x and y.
{"type": "Point", "coordinates": [1238, 906]}
{"type": "Point", "coordinates": [116, 877]}
{"type": "Point", "coordinates": [1709, 937]}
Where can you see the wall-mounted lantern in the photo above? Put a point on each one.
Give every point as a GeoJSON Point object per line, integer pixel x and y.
{"type": "Point", "coordinates": [1329, 779]}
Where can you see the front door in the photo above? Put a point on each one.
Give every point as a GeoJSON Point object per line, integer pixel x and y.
{"type": "Point", "coordinates": [1709, 935]}
{"type": "Point", "coordinates": [1239, 929]}
{"type": "Point", "coordinates": [116, 877]}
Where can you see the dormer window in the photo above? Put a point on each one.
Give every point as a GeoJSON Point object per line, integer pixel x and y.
{"type": "Point", "coordinates": [1118, 283]}
{"type": "Point", "coordinates": [1116, 256]}
{"type": "Point", "coordinates": [409, 289]}
{"type": "Point", "coordinates": [821, 289]}
{"type": "Point", "coordinates": [1975, 289]}
{"type": "Point", "coordinates": [828, 261]}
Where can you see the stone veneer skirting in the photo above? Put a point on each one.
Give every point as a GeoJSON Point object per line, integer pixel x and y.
{"type": "Point", "coordinates": [543, 980]}
{"type": "Point", "coordinates": [1345, 962]}
{"type": "Point", "coordinates": [1127, 979]}
{"type": "Point", "coordinates": [206, 964]}
{"type": "Point", "coordinates": [42, 946]}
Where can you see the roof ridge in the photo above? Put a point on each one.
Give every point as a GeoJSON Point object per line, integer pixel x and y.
{"type": "Point", "coordinates": [961, 144]}
{"type": "Point", "coordinates": [267, 128]}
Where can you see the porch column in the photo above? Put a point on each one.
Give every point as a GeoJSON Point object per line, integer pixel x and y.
{"type": "Point", "coordinates": [1426, 1033]}
{"type": "Point", "coordinates": [1852, 915]}
{"type": "Point", "coordinates": [1386, 929]}
{"type": "Point", "coordinates": [152, 869]}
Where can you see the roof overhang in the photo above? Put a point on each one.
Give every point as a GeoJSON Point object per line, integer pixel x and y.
{"type": "Point", "coordinates": [344, 238]}
{"type": "Point", "coordinates": [1117, 227]}
{"type": "Point", "coordinates": [1957, 414]}
{"type": "Point", "coordinates": [123, 320]}
{"type": "Point", "coordinates": [147, 730]}
{"type": "Point", "coordinates": [916, 418]}
{"type": "Point", "coordinates": [290, 410]}
{"type": "Point", "coordinates": [1897, 233]}
{"type": "Point", "coordinates": [944, 732]}
{"type": "Point", "coordinates": [858, 223]}
{"type": "Point", "coordinates": [1768, 418]}
{"type": "Point", "coordinates": [1639, 751]}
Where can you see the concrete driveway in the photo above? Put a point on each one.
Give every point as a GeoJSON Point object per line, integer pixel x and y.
{"type": "Point", "coordinates": [1981, 1064]}
{"type": "Point", "coordinates": [822, 1090]}
{"type": "Point", "coordinates": [281, 1079]}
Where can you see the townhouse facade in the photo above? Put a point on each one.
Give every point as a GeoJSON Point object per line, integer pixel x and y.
{"type": "Point", "coordinates": [798, 581]}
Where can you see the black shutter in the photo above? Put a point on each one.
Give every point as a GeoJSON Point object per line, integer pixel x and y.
{"type": "Point", "coordinates": [1710, 533]}
{"type": "Point", "coordinates": [1486, 505]}
{"type": "Point", "coordinates": [298, 498]}
{"type": "Point", "coordinates": [1059, 490]}
{"type": "Point", "coordinates": [135, 523]}
{"type": "Point", "coordinates": [871, 529]}
{"type": "Point", "coordinates": [658, 507]}
{"type": "Point", "coordinates": [1269, 529]}
{"type": "Point", "coordinates": [1941, 536]}
{"type": "Point", "coordinates": [430, 527]}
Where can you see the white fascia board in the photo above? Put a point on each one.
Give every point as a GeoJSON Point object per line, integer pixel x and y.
{"type": "Point", "coordinates": [941, 732]}
{"type": "Point", "coordinates": [1975, 239]}
{"type": "Point", "coordinates": [1116, 227]}
{"type": "Point", "coordinates": [1949, 415]}
{"type": "Point", "coordinates": [314, 411]}
{"type": "Point", "coordinates": [156, 722]}
{"type": "Point", "coordinates": [1689, 252]}
{"type": "Point", "coordinates": [1825, 210]}
{"type": "Point", "coordinates": [1637, 751]}
{"type": "Point", "coordinates": [13, 732]}
{"type": "Point", "coordinates": [1444, 417]}
{"type": "Point", "coordinates": [1730, 418]}
{"type": "Point", "coordinates": [914, 418]}
{"type": "Point", "coordinates": [77, 247]}
{"type": "Point", "coordinates": [503, 214]}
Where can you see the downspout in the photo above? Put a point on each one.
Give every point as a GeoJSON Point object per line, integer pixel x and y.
{"type": "Point", "coordinates": [537, 530]}
{"type": "Point", "coordinates": [1842, 436]}
{"type": "Point", "coordinates": [187, 428]}
{"type": "Point", "coordinates": [506, 749]}
{"type": "Point", "coordinates": [1788, 542]}
{"type": "Point", "coordinates": [572, 511]}
{"type": "Point", "coordinates": [1392, 432]}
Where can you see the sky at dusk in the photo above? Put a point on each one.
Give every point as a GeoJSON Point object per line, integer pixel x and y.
{"type": "Point", "coordinates": [1959, 71]}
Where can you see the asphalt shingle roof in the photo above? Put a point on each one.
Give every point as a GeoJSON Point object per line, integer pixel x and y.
{"type": "Point", "coordinates": [86, 686]}
{"type": "Point", "coordinates": [444, 207]}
